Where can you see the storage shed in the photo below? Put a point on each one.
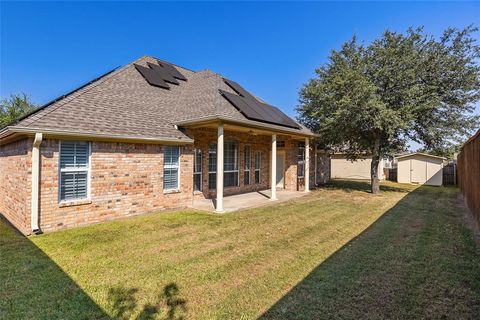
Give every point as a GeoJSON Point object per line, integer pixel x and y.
{"type": "Point", "coordinates": [420, 168]}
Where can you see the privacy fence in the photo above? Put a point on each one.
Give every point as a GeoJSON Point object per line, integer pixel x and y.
{"type": "Point", "coordinates": [468, 172]}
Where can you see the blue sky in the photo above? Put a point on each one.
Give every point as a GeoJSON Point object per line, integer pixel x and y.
{"type": "Point", "coordinates": [271, 48]}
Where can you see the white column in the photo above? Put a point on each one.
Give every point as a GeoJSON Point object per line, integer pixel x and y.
{"type": "Point", "coordinates": [35, 181]}
{"type": "Point", "coordinates": [273, 166]}
{"type": "Point", "coordinates": [220, 145]}
{"type": "Point", "coordinates": [307, 165]}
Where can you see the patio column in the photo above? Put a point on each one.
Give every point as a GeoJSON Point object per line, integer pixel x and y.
{"type": "Point", "coordinates": [307, 165]}
{"type": "Point", "coordinates": [273, 166]}
{"type": "Point", "coordinates": [219, 206]}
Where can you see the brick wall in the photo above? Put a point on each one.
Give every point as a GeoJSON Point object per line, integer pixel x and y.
{"type": "Point", "coordinates": [126, 180]}
{"type": "Point", "coordinates": [204, 136]}
{"type": "Point", "coordinates": [323, 167]}
{"type": "Point", "coordinates": [15, 183]}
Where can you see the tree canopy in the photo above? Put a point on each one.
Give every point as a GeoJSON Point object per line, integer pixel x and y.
{"type": "Point", "coordinates": [372, 99]}
{"type": "Point", "coordinates": [15, 107]}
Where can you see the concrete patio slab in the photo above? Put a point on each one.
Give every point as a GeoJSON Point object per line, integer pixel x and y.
{"type": "Point", "coordinates": [247, 200]}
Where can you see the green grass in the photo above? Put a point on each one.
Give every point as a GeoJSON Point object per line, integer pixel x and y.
{"type": "Point", "coordinates": [339, 252]}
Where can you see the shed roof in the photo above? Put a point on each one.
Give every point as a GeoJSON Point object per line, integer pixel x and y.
{"type": "Point", "coordinates": [420, 154]}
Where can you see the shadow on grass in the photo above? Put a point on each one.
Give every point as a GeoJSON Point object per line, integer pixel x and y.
{"type": "Point", "coordinates": [362, 185]}
{"type": "Point", "coordinates": [124, 304]}
{"type": "Point", "coordinates": [416, 261]}
{"type": "Point", "coordinates": [33, 286]}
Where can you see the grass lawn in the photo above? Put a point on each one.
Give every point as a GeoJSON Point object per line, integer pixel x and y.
{"type": "Point", "coordinates": [339, 252]}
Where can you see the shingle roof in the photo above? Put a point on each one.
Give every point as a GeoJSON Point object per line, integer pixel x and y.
{"type": "Point", "coordinates": [122, 103]}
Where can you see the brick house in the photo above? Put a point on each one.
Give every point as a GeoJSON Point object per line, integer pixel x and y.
{"type": "Point", "coordinates": [146, 137]}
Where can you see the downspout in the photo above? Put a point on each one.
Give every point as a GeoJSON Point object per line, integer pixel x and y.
{"type": "Point", "coordinates": [35, 181]}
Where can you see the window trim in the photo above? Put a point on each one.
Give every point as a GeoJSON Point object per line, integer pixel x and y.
{"type": "Point", "coordinates": [88, 170]}
{"type": "Point", "coordinates": [210, 172]}
{"type": "Point", "coordinates": [259, 167]}
{"type": "Point", "coordinates": [301, 147]}
{"type": "Point", "coordinates": [246, 169]}
{"type": "Point", "coordinates": [200, 173]}
{"type": "Point", "coordinates": [237, 162]}
{"type": "Point", "coordinates": [172, 167]}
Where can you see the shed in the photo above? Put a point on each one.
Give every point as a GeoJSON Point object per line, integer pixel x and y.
{"type": "Point", "coordinates": [420, 168]}
{"type": "Point", "coordinates": [342, 168]}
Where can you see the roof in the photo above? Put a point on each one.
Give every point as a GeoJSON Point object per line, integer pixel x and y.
{"type": "Point", "coordinates": [419, 154]}
{"type": "Point", "coordinates": [121, 104]}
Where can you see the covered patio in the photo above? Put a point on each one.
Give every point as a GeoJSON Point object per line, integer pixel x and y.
{"type": "Point", "coordinates": [247, 200]}
{"type": "Point", "coordinates": [233, 161]}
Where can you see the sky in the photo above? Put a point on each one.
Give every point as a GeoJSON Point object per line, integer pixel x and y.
{"type": "Point", "coordinates": [271, 48]}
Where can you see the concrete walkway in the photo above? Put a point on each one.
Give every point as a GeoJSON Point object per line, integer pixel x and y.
{"type": "Point", "coordinates": [247, 200]}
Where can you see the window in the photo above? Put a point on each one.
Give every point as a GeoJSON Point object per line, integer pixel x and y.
{"type": "Point", "coordinates": [258, 163]}
{"type": "Point", "coordinates": [171, 168]}
{"type": "Point", "coordinates": [301, 160]}
{"type": "Point", "coordinates": [74, 170]}
{"type": "Point", "coordinates": [212, 165]}
{"type": "Point", "coordinates": [230, 164]}
{"type": "Point", "coordinates": [197, 170]}
{"type": "Point", "coordinates": [246, 165]}
{"type": "Point", "coordinates": [281, 144]}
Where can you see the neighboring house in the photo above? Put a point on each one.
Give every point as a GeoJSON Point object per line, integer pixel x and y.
{"type": "Point", "coordinates": [342, 168]}
{"type": "Point", "coordinates": [420, 168]}
{"type": "Point", "coordinates": [145, 137]}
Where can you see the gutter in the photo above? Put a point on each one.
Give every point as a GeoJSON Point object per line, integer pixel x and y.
{"type": "Point", "coordinates": [100, 136]}
{"type": "Point", "coordinates": [35, 182]}
{"type": "Point", "coordinates": [249, 123]}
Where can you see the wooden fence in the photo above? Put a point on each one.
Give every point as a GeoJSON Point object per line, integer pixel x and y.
{"type": "Point", "coordinates": [468, 171]}
{"type": "Point", "coordinates": [391, 174]}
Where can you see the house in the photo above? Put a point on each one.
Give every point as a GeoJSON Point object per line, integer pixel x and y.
{"type": "Point", "coordinates": [420, 168]}
{"type": "Point", "coordinates": [142, 138]}
{"type": "Point", "coordinates": [343, 168]}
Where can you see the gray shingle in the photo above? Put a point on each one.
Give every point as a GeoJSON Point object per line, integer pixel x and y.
{"type": "Point", "coordinates": [123, 103]}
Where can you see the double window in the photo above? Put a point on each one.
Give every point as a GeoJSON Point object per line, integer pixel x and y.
{"type": "Point", "coordinates": [197, 170]}
{"type": "Point", "coordinates": [258, 164]}
{"type": "Point", "coordinates": [246, 165]}
{"type": "Point", "coordinates": [301, 160]}
{"type": "Point", "coordinates": [74, 170]}
{"type": "Point", "coordinates": [230, 165]}
{"type": "Point", "coordinates": [171, 171]}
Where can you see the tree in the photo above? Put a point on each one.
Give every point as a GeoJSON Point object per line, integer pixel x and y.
{"type": "Point", "coordinates": [448, 152]}
{"type": "Point", "coordinates": [15, 107]}
{"type": "Point", "coordinates": [374, 99]}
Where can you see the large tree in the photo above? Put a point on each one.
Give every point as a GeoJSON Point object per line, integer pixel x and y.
{"type": "Point", "coordinates": [15, 107]}
{"type": "Point", "coordinates": [372, 99]}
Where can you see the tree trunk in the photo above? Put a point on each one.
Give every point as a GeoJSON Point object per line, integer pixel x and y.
{"type": "Point", "coordinates": [374, 175]}
{"type": "Point", "coordinates": [375, 182]}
